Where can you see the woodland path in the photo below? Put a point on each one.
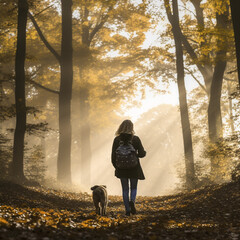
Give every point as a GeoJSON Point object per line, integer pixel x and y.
{"type": "Point", "coordinates": [40, 213]}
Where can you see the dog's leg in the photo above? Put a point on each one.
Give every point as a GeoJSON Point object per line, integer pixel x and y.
{"type": "Point", "coordinates": [105, 201]}
{"type": "Point", "coordinates": [103, 208]}
{"type": "Point", "coordinates": [100, 205]}
{"type": "Point", "coordinates": [96, 204]}
{"type": "Point", "coordinates": [98, 210]}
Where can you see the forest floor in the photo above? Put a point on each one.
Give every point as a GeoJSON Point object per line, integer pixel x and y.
{"type": "Point", "coordinates": [42, 213]}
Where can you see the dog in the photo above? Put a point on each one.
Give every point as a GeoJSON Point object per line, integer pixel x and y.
{"type": "Point", "coordinates": [100, 199]}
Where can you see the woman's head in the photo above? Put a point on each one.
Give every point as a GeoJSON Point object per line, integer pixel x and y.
{"type": "Point", "coordinates": [125, 127]}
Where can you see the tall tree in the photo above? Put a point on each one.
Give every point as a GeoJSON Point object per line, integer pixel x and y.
{"type": "Point", "coordinates": [65, 95]}
{"type": "Point", "coordinates": [235, 8]}
{"type": "Point", "coordinates": [87, 37]}
{"type": "Point", "coordinates": [202, 59]}
{"type": "Point", "coordinates": [98, 38]}
{"type": "Point", "coordinates": [210, 67]}
{"type": "Point", "coordinates": [214, 108]}
{"type": "Point", "coordinates": [173, 17]}
{"type": "Point", "coordinates": [20, 100]}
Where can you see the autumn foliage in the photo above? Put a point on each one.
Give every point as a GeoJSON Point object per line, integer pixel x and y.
{"type": "Point", "coordinates": [37, 212]}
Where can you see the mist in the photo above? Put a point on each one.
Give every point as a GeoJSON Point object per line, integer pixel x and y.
{"type": "Point", "coordinates": [160, 132]}
{"type": "Point", "coordinates": [76, 86]}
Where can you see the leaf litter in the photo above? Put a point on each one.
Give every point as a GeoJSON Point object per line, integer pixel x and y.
{"type": "Point", "coordinates": [42, 213]}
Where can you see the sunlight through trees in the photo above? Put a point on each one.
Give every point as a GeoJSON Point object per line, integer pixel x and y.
{"type": "Point", "coordinates": [71, 71]}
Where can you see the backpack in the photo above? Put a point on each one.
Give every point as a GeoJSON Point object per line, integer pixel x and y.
{"type": "Point", "coordinates": [126, 157]}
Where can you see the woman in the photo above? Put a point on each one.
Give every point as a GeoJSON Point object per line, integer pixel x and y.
{"type": "Point", "coordinates": [125, 134]}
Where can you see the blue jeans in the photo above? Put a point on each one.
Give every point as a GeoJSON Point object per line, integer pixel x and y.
{"type": "Point", "coordinates": [125, 191]}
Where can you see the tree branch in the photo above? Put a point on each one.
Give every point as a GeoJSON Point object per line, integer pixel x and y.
{"type": "Point", "coordinates": [168, 11]}
{"type": "Point", "coordinates": [47, 44]}
{"type": "Point", "coordinates": [41, 86]}
{"type": "Point", "coordinates": [36, 14]}
{"type": "Point", "coordinates": [95, 30]}
{"type": "Point", "coordinates": [229, 79]}
{"type": "Point", "coordinates": [201, 85]}
{"type": "Point", "coordinates": [192, 53]}
{"type": "Point", "coordinates": [233, 71]}
{"type": "Point", "coordinates": [187, 10]}
{"type": "Point", "coordinates": [99, 26]}
{"type": "Point", "coordinates": [117, 72]}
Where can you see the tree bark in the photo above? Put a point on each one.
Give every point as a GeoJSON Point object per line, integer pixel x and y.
{"type": "Point", "coordinates": [65, 92]}
{"type": "Point", "coordinates": [213, 76]}
{"type": "Point", "coordinates": [85, 128]}
{"type": "Point", "coordinates": [214, 107]}
{"type": "Point", "coordinates": [235, 9]}
{"type": "Point", "coordinates": [20, 100]}
{"type": "Point", "coordinates": [65, 96]}
{"type": "Point", "coordinates": [186, 130]}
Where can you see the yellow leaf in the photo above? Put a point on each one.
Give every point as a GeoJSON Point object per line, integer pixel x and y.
{"type": "Point", "coordinates": [3, 221]}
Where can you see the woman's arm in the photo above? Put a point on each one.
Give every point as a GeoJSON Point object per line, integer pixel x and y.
{"type": "Point", "coordinates": [140, 149]}
{"type": "Point", "coordinates": [113, 157]}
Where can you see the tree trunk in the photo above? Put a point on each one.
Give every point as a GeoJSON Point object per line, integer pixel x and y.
{"type": "Point", "coordinates": [85, 134]}
{"type": "Point", "coordinates": [214, 107]}
{"type": "Point", "coordinates": [206, 69]}
{"type": "Point", "coordinates": [235, 9]}
{"type": "Point", "coordinates": [230, 107]}
{"type": "Point", "coordinates": [186, 130]}
{"type": "Point", "coordinates": [20, 100]}
{"type": "Point", "coordinates": [85, 128]}
{"type": "Point", "coordinates": [65, 96]}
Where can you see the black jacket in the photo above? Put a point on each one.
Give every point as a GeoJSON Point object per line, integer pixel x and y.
{"type": "Point", "coordinates": [136, 172]}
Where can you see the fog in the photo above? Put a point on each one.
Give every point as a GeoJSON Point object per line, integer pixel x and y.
{"type": "Point", "coordinates": [160, 132]}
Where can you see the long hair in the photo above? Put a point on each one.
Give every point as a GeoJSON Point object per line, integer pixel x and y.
{"type": "Point", "coordinates": [125, 127]}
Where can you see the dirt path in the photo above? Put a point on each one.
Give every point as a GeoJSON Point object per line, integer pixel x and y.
{"type": "Point", "coordinates": [40, 213]}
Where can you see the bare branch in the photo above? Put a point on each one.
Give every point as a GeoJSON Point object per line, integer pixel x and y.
{"type": "Point", "coordinates": [233, 71]}
{"type": "Point", "coordinates": [229, 79]}
{"type": "Point", "coordinates": [201, 85]}
{"type": "Point", "coordinates": [41, 86]}
{"type": "Point", "coordinates": [187, 9]}
{"type": "Point", "coordinates": [117, 72]}
{"type": "Point", "coordinates": [36, 14]}
{"type": "Point", "coordinates": [47, 44]}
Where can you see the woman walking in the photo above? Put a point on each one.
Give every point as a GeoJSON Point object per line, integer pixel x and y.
{"type": "Point", "coordinates": [125, 135]}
